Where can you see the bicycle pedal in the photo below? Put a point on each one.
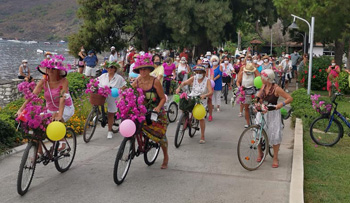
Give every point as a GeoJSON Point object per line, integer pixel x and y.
{"type": "Point", "coordinates": [196, 128]}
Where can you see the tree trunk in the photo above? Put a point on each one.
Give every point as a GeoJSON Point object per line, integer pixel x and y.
{"type": "Point", "coordinates": [339, 50]}
{"type": "Point", "coordinates": [144, 39]}
{"type": "Point", "coordinates": [348, 61]}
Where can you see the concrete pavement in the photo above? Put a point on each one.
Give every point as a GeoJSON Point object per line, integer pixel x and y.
{"type": "Point", "coordinates": [197, 172]}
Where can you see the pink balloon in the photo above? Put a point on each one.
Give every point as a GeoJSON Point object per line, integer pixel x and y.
{"type": "Point", "coordinates": [212, 83]}
{"type": "Point", "coordinates": [127, 128]}
{"type": "Point", "coordinates": [166, 97]}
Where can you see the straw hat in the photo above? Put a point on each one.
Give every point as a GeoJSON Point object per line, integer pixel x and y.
{"type": "Point", "coordinates": [144, 61]}
{"type": "Point", "coordinates": [249, 68]}
{"type": "Point", "coordinates": [47, 53]}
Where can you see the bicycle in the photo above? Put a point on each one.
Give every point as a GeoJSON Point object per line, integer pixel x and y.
{"type": "Point", "coordinates": [93, 118]}
{"type": "Point", "coordinates": [127, 152]}
{"type": "Point", "coordinates": [63, 159]}
{"type": "Point", "coordinates": [172, 111]}
{"type": "Point", "coordinates": [251, 139]}
{"type": "Point", "coordinates": [326, 130]}
{"type": "Point", "coordinates": [186, 121]}
{"type": "Point", "coordinates": [227, 81]}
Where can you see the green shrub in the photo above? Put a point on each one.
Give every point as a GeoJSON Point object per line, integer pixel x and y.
{"type": "Point", "coordinates": [77, 82]}
{"type": "Point", "coordinates": [8, 136]}
{"type": "Point", "coordinates": [302, 107]}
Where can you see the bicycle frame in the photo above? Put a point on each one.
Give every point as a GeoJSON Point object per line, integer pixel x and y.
{"type": "Point", "coordinates": [335, 112]}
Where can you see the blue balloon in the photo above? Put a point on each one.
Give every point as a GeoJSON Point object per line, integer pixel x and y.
{"type": "Point", "coordinates": [115, 92]}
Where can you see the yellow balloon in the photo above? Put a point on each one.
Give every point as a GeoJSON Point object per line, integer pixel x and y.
{"type": "Point", "coordinates": [56, 131]}
{"type": "Point", "coordinates": [199, 112]}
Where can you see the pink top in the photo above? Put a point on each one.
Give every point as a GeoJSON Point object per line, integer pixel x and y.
{"type": "Point", "coordinates": [168, 70]}
{"type": "Point", "coordinates": [52, 97]}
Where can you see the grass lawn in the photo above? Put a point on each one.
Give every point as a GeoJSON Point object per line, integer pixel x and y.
{"type": "Point", "coordinates": [326, 168]}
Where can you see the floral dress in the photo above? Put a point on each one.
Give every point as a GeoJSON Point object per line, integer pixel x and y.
{"type": "Point", "coordinates": [155, 130]}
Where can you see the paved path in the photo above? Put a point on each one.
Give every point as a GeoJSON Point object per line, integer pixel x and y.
{"type": "Point", "coordinates": [197, 173]}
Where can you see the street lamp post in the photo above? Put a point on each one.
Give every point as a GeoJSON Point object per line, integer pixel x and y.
{"type": "Point", "coordinates": [311, 41]}
{"type": "Point", "coordinates": [304, 41]}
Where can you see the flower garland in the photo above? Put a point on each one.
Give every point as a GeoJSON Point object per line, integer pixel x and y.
{"type": "Point", "coordinates": [241, 95]}
{"type": "Point", "coordinates": [130, 105]}
{"type": "Point", "coordinates": [34, 115]}
{"type": "Point", "coordinates": [93, 87]}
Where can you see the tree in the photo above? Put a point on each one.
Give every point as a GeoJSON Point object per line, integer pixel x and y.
{"type": "Point", "coordinates": [330, 23]}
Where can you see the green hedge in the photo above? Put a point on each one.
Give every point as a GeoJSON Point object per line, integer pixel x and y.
{"type": "Point", "coordinates": [77, 83]}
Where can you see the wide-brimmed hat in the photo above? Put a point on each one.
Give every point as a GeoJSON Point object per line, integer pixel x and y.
{"type": "Point", "coordinates": [265, 57]}
{"type": "Point", "coordinates": [24, 61]}
{"type": "Point", "coordinates": [144, 61]}
{"type": "Point", "coordinates": [112, 64]}
{"type": "Point", "coordinates": [199, 68]}
{"type": "Point", "coordinates": [208, 53]}
{"type": "Point", "coordinates": [286, 56]}
{"type": "Point", "coordinates": [249, 68]}
{"type": "Point", "coordinates": [268, 75]}
{"type": "Point", "coordinates": [47, 53]}
{"type": "Point", "coordinates": [56, 62]}
{"type": "Point", "coordinates": [112, 48]}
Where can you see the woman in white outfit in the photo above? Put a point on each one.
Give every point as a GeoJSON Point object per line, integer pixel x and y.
{"type": "Point", "coordinates": [201, 86]}
{"type": "Point", "coordinates": [182, 69]}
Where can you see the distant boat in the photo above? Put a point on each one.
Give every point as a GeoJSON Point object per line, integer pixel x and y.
{"type": "Point", "coordinates": [32, 42]}
{"type": "Point", "coordinates": [62, 42]}
{"type": "Point", "coordinates": [39, 51]}
{"type": "Point", "coordinates": [0, 38]}
{"type": "Point", "coordinates": [47, 43]}
{"type": "Point", "coordinates": [66, 50]}
{"type": "Point", "coordinates": [14, 40]}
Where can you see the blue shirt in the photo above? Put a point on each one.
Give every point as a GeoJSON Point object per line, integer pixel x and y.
{"type": "Point", "coordinates": [218, 82]}
{"type": "Point", "coordinates": [91, 61]}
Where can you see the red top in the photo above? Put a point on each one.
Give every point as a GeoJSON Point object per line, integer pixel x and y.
{"type": "Point", "coordinates": [131, 57]}
{"type": "Point", "coordinates": [184, 54]}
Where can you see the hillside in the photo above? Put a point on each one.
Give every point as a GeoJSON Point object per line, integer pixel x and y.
{"type": "Point", "coordinates": [38, 20]}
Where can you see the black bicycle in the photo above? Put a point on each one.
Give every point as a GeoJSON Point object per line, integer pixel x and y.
{"type": "Point", "coordinates": [97, 114]}
{"type": "Point", "coordinates": [225, 89]}
{"type": "Point", "coordinates": [62, 153]}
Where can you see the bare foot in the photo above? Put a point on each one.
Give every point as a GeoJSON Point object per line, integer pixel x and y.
{"type": "Point", "coordinates": [165, 163]}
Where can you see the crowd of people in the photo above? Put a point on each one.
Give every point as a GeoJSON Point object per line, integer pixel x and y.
{"type": "Point", "coordinates": [206, 78]}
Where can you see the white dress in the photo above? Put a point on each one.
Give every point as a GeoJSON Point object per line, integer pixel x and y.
{"type": "Point", "coordinates": [199, 89]}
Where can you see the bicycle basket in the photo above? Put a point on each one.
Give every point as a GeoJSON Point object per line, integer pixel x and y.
{"type": "Point", "coordinates": [325, 109]}
{"type": "Point", "coordinates": [187, 105]}
{"type": "Point", "coordinates": [226, 79]}
{"type": "Point", "coordinates": [96, 99]}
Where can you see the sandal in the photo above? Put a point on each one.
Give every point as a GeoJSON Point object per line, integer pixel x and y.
{"type": "Point", "coordinates": [275, 165]}
{"type": "Point", "coordinates": [240, 114]}
{"type": "Point", "coordinates": [201, 141]}
{"type": "Point", "coordinates": [260, 158]}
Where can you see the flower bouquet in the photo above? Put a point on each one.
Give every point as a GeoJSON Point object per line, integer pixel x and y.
{"type": "Point", "coordinates": [97, 94]}
{"type": "Point", "coordinates": [187, 103]}
{"type": "Point", "coordinates": [240, 94]}
{"type": "Point", "coordinates": [34, 118]}
{"type": "Point", "coordinates": [320, 106]}
{"type": "Point", "coordinates": [130, 105]}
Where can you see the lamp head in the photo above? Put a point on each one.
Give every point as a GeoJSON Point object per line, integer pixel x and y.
{"type": "Point", "coordinates": [293, 25]}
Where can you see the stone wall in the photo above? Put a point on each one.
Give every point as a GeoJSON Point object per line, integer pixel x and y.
{"type": "Point", "coordinates": [9, 91]}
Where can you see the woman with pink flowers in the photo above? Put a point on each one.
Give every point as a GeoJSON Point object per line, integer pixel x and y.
{"type": "Point", "coordinates": [58, 100]}
{"type": "Point", "coordinates": [333, 73]}
{"type": "Point", "coordinates": [154, 101]}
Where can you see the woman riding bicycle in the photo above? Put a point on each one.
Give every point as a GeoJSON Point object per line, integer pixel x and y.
{"type": "Point", "coordinates": [111, 79]}
{"type": "Point", "coordinates": [58, 100]}
{"type": "Point", "coordinates": [227, 70]}
{"type": "Point", "coordinates": [201, 86]}
{"type": "Point", "coordinates": [270, 92]}
{"type": "Point", "coordinates": [169, 72]}
{"type": "Point", "coordinates": [154, 101]}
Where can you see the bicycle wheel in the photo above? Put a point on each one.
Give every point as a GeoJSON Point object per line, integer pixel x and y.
{"type": "Point", "coordinates": [226, 92]}
{"type": "Point", "coordinates": [65, 151]}
{"type": "Point", "coordinates": [321, 136]}
{"type": "Point", "coordinates": [27, 168]}
{"type": "Point", "coordinates": [248, 144]}
{"type": "Point", "coordinates": [123, 161]}
{"type": "Point", "coordinates": [115, 127]}
{"type": "Point", "coordinates": [172, 112]}
{"type": "Point", "coordinates": [180, 130]}
{"type": "Point", "coordinates": [151, 151]}
{"type": "Point", "coordinates": [90, 124]}
{"type": "Point", "coordinates": [194, 127]}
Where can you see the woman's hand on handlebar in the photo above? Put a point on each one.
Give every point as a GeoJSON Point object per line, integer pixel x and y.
{"type": "Point", "coordinates": [157, 109]}
{"type": "Point", "coordinates": [177, 90]}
